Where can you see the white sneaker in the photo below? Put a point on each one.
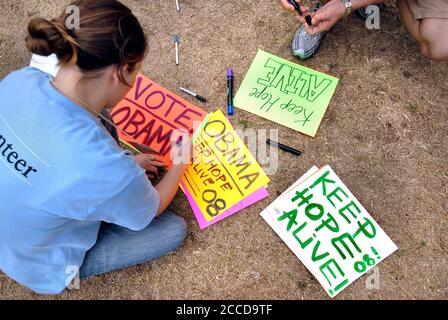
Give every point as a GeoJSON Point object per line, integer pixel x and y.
{"type": "Point", "coordinates": [305, 45]}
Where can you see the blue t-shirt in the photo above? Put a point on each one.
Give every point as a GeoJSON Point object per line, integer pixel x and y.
{"type": "Point", "coordinates": [61, 175]}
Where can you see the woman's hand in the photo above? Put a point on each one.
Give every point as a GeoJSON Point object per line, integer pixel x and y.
{"type": "Point", "coordinates": [326, 17]}
{"type": "Point", "coordinates": [151, 163]}
{"type": "Point", "coordinates": [181, 153]}
{"type": "Point", "coordinates": [290, 7]}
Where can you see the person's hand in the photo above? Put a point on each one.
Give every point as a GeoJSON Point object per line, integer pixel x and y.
{"type": "Point", "coordinates": [151, 164]}
{"type": "Point", "coordinates": [290, 7]}
{"type": "Point", "coordinates": [326, 17]}
{"type": "Point", "coordinates": [181, 153]}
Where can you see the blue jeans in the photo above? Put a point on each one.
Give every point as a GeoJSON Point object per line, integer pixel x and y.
{"type": "Point", "coordinates": [118, 247]}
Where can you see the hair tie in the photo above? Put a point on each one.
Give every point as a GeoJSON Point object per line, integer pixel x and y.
{"type": "Point", "coordinates": [67, 37]}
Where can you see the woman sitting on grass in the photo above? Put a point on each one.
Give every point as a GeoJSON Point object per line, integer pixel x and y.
{"type": "Point", "coordinates": [71, 198]}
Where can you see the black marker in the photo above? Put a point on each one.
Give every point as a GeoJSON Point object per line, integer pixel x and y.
{"type": "Point", "coordinates": [283, 147]}
{"type": "Point", "coordinates": [194, 94]}
{"type": "Point", "coordinates": [297, 8]}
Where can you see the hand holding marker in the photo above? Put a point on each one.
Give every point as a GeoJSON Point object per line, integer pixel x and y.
{"type": "Point", "coordinates": [297, 8]}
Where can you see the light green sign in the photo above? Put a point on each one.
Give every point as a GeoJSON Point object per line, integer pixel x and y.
{"type": "Point", "coordinates": [285, 92]}
{"type": "Point", "coordinates": [327, 228]}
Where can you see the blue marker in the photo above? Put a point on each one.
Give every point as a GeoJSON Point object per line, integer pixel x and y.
{"type": "Point", "coordinates": [230, 108]}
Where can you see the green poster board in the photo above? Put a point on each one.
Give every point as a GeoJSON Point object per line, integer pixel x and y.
{"type": "Point", "coordinates": [328, 229]}
{"type": "Point", "coordinates": [285, 92]}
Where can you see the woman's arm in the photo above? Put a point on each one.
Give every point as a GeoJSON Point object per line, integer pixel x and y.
{"type": "Point", "coordinates": [168, 186]}
{"type": "Point", "coordinates": [327, 16]}
{"type": "Point", "coordinates": [181, 154]}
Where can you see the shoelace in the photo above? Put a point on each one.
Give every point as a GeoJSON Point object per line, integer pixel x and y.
{"type": "Point", "coordinates": [309, 37]}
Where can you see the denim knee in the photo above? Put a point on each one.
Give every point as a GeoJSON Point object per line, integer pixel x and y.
{"type": "Point", "coordinates": [182, 230]}
{"type": "Point", "coordinates": [177, 228]}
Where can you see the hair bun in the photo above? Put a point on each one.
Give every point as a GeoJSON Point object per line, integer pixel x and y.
{"type": "Point", "coordinates": [107, 34]}
{"type": "Point", "coordinates": [44, 38]}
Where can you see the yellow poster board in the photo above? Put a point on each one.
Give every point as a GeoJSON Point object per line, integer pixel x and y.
{"type": "Point", "coordinates": [223, 172]}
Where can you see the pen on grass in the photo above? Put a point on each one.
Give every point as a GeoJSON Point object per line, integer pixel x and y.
{"type": "Point", "coordinates": [193, 94]}
{"type": "Point", "coordinates": [176, 40]}
{"type": "Point", "coordinates": [283, 147]}
{"type": "Point", "coordinates": [230, 106]}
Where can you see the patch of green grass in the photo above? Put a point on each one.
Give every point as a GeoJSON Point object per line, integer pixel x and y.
{"type": "Point", "coordinates": [412, 107]}
{"type": "Point", "coordinates": [244, 123]}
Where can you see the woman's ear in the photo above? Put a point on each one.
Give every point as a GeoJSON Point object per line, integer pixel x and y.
{"type": "Point", "coordinates": [115, 69]}
{"type": "Point", "coordinates": [130, 73]}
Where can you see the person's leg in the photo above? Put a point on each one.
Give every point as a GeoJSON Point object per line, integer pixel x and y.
{"type": "Point", "coordinates": [412, 25]}
{"type": "Point", "coordinates": [430, 33]}
{"type": "Point", "coordinates": [434, 33]}
{"type": "Point", "coordinates": [118, 247]}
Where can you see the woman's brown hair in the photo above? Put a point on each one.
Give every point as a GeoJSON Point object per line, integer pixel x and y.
{"type": "Point", "coordinates": [108, 34]}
